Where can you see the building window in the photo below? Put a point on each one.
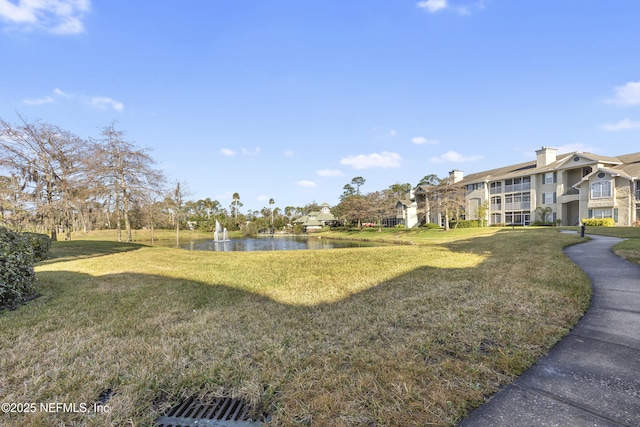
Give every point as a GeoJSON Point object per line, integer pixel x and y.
{"type": "Point", "coordinates": [549, 178]}
{"type": "Point", "coordinates": [496, 203]}
{"type": "Point", "coordinates": [517, 201]}
{"type": "Point", "coordinates": [518, 218]}
{"type": "Point", "coordinates": [600, 189]}
{"type": "Point", "coordinates": [496, 218]}
{"type": "Point", "coordinates": [600, 213]}
{"type": "Point", "coordinates": [548, 198]}
{"type": "Point", "coordinates": [517, 184]}
{"type": "Point", "coordinates": [495, 187]}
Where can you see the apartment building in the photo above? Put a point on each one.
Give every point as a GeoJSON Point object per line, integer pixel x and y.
{"type": "Point", "coordinates": [561, 189]}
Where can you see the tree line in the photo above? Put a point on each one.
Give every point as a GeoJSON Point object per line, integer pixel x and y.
{"type": "Point", "coordinates": [440, 195]}
{"type": "Point", "coordinates": [53, 181]}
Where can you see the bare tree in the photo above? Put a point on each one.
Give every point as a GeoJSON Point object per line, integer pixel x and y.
{"type": "Point", "coordinates": [449, 198]}
{"type": "Point", "coordinates": [176, 199]}
{"type": "Point", "coordinates": [125, 172]}
{"type": "Point", "coordinates": [46, 164]}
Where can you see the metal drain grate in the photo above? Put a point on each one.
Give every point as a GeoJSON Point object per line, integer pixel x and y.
{"type": "Point", "coordinates": [222, 412]}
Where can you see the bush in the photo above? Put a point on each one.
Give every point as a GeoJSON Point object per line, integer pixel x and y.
{"type": "Point", "coordinates": [431, 226]}
{"type": "Point", "coordinates": [464, 223]}
{"type": "Point", "coordinates": [599, 222]}
{"type": "Point", "coordinates": [17, 278]}
{"type": "Point", "coordinates": [40, 244]}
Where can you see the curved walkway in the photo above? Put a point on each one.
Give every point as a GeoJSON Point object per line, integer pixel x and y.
{"type": "Point", "coordinates": [592, 376]}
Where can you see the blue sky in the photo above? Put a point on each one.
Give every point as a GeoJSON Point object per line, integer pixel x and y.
{"type": "Point", "coordinates": [290, 100]}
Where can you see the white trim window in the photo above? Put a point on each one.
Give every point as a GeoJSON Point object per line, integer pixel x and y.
{"type": "Point", "coordinates": [600, 189]}
{"type": "Point", "coordinates": [548, 198]}
{"type": "Point", "coordinates": [601, 213]}
{"type": "Point", "coordinates": [549, 178]}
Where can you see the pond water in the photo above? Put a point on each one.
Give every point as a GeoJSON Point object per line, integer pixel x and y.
{"type": "Point", "coordinates": [272, 244]}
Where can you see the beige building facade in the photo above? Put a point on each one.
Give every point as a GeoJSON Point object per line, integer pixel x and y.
{"type": "Point", "coordinates": [553, 189]}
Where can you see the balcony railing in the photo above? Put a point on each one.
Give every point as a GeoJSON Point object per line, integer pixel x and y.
{"type": "Point", "coordinates": [495, 190]}
{"type": "Point", "coordinates": [517, 187]}
{"type": "Point", "coordinates": [571, 192]}
{"type": "Point", "coordinates": [517, 206]}
{"type": "Point", "coordinates": [496, 207]}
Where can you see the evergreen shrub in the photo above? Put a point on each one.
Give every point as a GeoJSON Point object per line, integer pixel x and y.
{"type": "Point", "coordinates": [41, 243]}
{"type": "Point", "coordinates": [17, 277]}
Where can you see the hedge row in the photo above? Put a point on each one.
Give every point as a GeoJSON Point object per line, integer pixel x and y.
{"type": "Point", "coordinates": [18, 252]}
{"type": "Point", "coordinates": [599, 222]}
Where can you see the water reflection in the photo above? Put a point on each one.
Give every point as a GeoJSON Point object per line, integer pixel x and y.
{"type": "Point", "coordinates": [272, 244]}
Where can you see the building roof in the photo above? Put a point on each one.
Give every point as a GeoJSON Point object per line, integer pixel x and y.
{"type": "Point", "coordinates": [314, 217]}
{"type": "Point", "coordinates": [631, 164]}
{"type": "Point", "coordinates": [627, 165]}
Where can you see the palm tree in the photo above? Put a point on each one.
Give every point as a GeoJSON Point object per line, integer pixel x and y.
{"type": "Point", "coordinates": [271, 202]}
{"type": "Point", "coordinates": [236, 199]}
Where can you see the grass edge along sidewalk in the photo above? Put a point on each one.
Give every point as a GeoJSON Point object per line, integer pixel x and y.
{"type": "Point", "coordinates": [389, 335]}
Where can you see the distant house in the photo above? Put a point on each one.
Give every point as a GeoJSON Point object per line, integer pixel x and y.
{"type": "Point", "coordinates": [406, 214]}
{"type": "Point", "coordinates": [568, 188]}
{"type": "Point", "coordinates": [314, 221]}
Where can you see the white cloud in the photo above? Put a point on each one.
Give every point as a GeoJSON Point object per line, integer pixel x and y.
{"type": "Point", "coordinates": [455, 157]}
{"type": "Point", "coordinates": [623, 124]}
{"type": "Point", "coordinates": [308, 184]}
{"type": "Point", "coordinates": [383, 160]}
{"type": "Point", "coordinates": [419, 140]}
{"type": "Point", "coordinates": [105, 102]}
{"type": "Point", "coordinates": [55, 16]}
{"type": "Point", "coordinates": [330, 172]}
{"type": "Point", "coordinates": [432, 6]}
{"type": "Point", "coordinates": [289, 153]}
{"type": "Point", "coordinates": [628, 94]}
{"type": "Point", "coordinates": [45, 100]}
{"type": "Point", "coordinates": [39, 101]}
{"type": "Point", "coordinates": [59, 92]}
{"type": "Point", "coordinates": [263, 198]}
{"type": "Point", "coordinates": [227, 152]}
{"type": "Point", "coordinates": [246, 152]}
{"type": "Point", "coordinates": [18, 13]}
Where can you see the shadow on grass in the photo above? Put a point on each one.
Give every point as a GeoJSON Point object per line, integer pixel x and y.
{"type": "Point", "coordinates": [62, 251]}
{"type": "Point", "coordinates": [153, 340]}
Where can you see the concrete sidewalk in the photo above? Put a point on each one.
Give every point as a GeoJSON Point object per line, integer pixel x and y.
{"type": "Point", "coordinates": [591, 377]}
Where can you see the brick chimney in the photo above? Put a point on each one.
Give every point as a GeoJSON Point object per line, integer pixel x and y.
{"type": "Point", "coordinates": [545, 156]}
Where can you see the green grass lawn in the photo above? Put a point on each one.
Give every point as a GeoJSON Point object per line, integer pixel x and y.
{"type": "Point", "coordinates": [393, 335]}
